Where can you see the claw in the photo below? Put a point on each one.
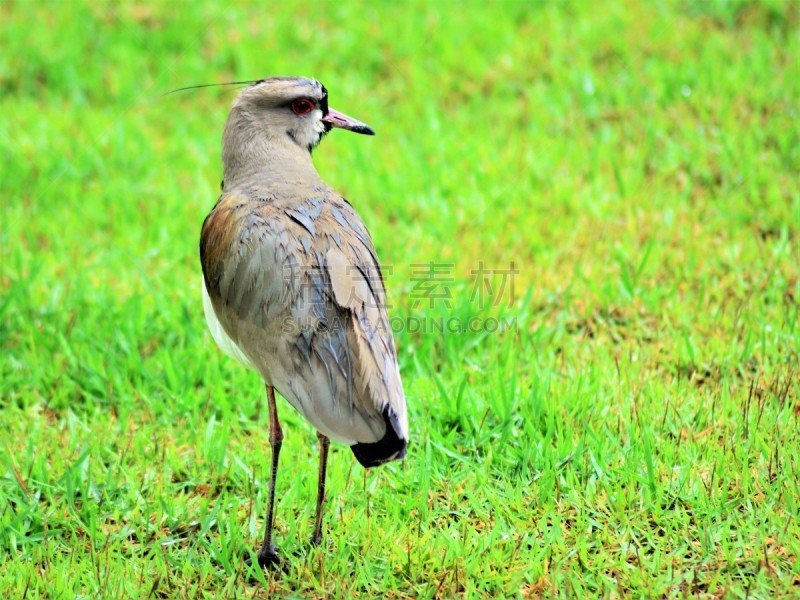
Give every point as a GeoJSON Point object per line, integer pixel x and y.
{"type": "Point", "coordinates": [267, 559]}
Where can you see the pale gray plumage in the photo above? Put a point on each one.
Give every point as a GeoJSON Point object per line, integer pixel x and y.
{"type": "Point", "coordinates": [292, 286]}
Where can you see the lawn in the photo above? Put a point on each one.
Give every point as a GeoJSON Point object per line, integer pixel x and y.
{"type": "Point", "coordinates": [589, 218]}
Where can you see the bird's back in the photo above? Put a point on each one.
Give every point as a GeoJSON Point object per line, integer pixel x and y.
{"type": "Point", "coordinates": [294, 283]}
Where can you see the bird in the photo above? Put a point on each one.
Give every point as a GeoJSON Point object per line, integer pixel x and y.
{"type": "Point", "coordinates": [292, 286]}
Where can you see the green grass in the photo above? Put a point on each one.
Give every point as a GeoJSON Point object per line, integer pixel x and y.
{"type": "Point", "coordinates": [632, 432]}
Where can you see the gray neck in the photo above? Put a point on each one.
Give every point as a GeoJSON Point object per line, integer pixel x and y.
{"type": "Point", "coordinates": [255, 157]}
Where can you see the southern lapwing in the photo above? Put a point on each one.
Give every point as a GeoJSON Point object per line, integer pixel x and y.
{"type": "Point", "coordinates": [293, 288]}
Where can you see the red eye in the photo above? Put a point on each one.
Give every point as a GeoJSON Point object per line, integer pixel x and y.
{"type": "Point", "coordinates": [302, 106]}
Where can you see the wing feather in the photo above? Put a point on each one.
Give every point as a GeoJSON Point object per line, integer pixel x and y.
{"type": "Point", "coordinates": [297, 287]}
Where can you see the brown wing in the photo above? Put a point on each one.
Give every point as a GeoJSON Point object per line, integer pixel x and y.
{"type": "Point", "coordinates": [297, 287]}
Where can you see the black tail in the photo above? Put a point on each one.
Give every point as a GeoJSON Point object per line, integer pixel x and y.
{"type": "Point", "coordinates": [390, 447]}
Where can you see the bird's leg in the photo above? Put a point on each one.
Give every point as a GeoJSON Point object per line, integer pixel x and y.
{"type": "Point", "coordinates": [324, 443]}
{"type": "Point", "coordinates": [268, 554]}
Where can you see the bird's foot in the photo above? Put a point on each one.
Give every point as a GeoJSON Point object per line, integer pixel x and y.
{"type": "Point", "coordinates": [267, 558]}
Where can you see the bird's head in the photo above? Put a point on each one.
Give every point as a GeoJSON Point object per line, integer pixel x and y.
{"type": "Point", "coordinates": [290, 108]}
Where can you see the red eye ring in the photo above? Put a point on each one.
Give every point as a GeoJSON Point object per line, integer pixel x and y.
{"type": "Point", "coordinates": [302, 106]}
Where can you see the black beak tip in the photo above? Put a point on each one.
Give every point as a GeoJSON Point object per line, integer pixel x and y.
{"type": "Point", "coordinates": [364, 129]}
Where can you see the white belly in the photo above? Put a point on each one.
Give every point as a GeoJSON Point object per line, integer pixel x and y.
{"type": "Point", "coordinates": [226, 344]}
{"type": "Point", "coordinates": [295, 391]}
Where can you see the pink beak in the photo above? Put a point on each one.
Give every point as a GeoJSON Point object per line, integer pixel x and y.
{"type": "Point", "coordinates": [336, 119]}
